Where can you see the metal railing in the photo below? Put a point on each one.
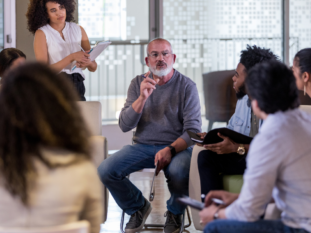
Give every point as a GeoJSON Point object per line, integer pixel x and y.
{"type": "Point", "coordinates": [123, 61]}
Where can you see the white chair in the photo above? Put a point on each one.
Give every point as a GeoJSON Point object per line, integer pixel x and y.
{"type": "Point", "coordinates": [306, 108]}
{"type": "Point", "coordinates": [195, 186]}
{"type": "Point", "coordinates": [151, 197]}
{"type": "Point", "coordinates": [75, 227]}
{"type": "Point", "coordinates": [91, 112]}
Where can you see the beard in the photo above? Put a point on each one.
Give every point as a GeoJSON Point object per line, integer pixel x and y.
{"type": "Point", "coordinates": [161, 72]}
{"type": "Point", "coordinates": [241, 93]}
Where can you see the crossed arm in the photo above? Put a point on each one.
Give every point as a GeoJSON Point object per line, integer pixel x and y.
{"type": "Point", "coordinates": [82, 58]}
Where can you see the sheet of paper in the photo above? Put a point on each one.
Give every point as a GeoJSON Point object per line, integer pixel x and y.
{"type": "Point", "coordinates": [98, 49]}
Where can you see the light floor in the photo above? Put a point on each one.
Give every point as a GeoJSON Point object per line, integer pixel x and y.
{"type": "Point", "coordinates": [116, 140]}
{"type": "Point", "coordinates": [143, 181]}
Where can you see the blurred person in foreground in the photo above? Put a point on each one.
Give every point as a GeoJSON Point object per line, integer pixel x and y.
{"type": "Point", "coordinates": [278, 162]}
{"type": "Point", "coordinates": [46, 174]}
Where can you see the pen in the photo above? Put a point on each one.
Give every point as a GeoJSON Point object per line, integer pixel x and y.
{"type": "Point", "coordinates": [215, 200]}
{"type": "Point", "coordinates": [81, 47]}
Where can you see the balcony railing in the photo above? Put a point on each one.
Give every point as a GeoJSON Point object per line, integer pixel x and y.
{"type": "Point", "coordinates": [122, 61]}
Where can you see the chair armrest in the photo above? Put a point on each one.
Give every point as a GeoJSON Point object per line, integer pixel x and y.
{"type": "Point", "coordinates": [272, 212]}
{"type": "Point", "coordinates": [195, 185]}
{"type": "Point", "coordinates": [82, 226]}
{"type": "Point", "coordinates": [99, 152]}
{"type": "Point", "coordinates": [99, 149]}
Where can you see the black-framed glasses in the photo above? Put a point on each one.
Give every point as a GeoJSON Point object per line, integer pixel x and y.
{"type": "Point", "coordinates": [156, 55]}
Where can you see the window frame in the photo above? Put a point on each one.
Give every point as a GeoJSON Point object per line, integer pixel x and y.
{"type": "Point", "coordinates": [9, 19]}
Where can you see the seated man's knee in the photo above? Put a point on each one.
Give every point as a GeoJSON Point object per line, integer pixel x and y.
{"type": "Point", "coordinates": [178, 170]}
{"type": "Point", "coordinates": [109, 170]}
{"type": "Point", "coordinates": [104, 172]}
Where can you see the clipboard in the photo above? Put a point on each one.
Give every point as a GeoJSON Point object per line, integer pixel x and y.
{"type": "Point", "coordinates": [99, 47]}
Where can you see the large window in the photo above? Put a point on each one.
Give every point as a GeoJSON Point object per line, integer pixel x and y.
{"type": "Point", "coordinates": [207, 35]}
{"type": "Point", "coordinates": [300, 26]}
{"type": "Point", "coordinates": [116, 20]}
{"type": "Point", "coordinates": [127, 27]}
{"type": "Point", "coordinates": [1, 26]}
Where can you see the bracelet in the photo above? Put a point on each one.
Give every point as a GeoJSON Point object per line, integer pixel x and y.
{"type": "Point", "coordinates": [216, 214]}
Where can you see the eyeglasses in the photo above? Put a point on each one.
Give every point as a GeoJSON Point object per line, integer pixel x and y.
{"type": "Point", "coordinates": [155, 55]}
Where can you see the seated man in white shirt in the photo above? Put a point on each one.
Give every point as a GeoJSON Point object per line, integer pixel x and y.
{"type": "Point", "coordinates": [278, 162]}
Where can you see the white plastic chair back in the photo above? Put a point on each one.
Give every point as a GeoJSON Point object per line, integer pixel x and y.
{"type": "Point", "coordinates": [306, 108]}
{"type": "Point", "coordinates": [91, 112]}
{"type": "Point", "coordinates": [75, 227]}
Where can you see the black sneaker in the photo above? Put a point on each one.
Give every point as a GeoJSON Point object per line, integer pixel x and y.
{"type": "Point", "coordinates": [173, 222]}
{"type": "Point", "coordinates": [137, 220]}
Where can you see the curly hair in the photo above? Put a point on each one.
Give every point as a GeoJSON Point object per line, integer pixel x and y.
{"type": "Point", "coordinates": [7, 57]}
{"type": "Point", "coordinates": [37, 13]}
{"type": "Point", "coordinates": [254, 55]}
{"type": "Point", "coordinates": [273, 85]}
{"type": "Point", "coordinates": [38, 110]}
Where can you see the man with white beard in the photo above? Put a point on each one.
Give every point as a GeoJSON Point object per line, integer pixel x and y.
{"type": "Point", "coordinates": [162, 104]}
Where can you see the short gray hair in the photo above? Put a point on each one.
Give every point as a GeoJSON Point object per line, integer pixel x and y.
{"type": "Point", "coordinates": [159, 39]}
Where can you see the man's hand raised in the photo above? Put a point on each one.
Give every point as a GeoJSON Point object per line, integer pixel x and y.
{"type": "Point", "coordinates": [147, 86]}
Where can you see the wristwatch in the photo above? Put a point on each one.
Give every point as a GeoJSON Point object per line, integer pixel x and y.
{"type": "Point", "coordinates": [241, 150]}
{"type": "Point", "coordinates": [172, 149]}
{"type": "Point", "coordinates": [216, 215]}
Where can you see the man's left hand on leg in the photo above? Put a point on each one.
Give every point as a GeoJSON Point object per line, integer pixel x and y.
{"type": "Point", "coordinates": [163, 158]}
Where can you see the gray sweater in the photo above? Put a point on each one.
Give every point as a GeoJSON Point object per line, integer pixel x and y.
{"type": "Point", "coordinates": [169, 111]}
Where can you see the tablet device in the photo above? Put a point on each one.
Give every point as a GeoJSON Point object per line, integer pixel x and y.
{"type": "Point", "coordinates": [218, 201]}
{"type": "Point", "coordinates": [191, 202]}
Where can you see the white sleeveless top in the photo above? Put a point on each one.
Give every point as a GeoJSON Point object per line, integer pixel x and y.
{"type": "Point", "coordinates": [58, 48]}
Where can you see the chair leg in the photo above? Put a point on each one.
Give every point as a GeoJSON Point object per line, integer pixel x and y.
{"type": "Point", "coordinates": [153, 225]}
{"type": "Point", "coordinates": [189, 218]}
{"type": "Point", "coordinates": [122, 217]}
{"type": "Point", "coordinates": [182, 224]}
{"type": "Point", "coordinates": [182, 227]}
{"type": "Point", "coordinates": [160, 225]}
{"type": "Point", "coordinates": [122, 222]}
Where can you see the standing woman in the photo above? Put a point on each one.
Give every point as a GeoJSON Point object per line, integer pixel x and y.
{"type": "Point", "coordinates": [302, 70]}
{"type": "Point", "coordinates": [57, 39]}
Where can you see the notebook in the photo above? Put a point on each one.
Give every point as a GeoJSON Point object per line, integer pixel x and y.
{"type": "Point", "coordinates": [211, 137]}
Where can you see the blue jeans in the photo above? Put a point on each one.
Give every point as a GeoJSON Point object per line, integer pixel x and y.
{"type": "Point", "coordinates": [132, 158]}
{"type": "Point", "coordinates": [260, 226]}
